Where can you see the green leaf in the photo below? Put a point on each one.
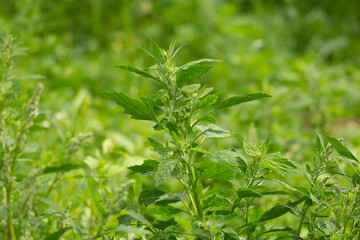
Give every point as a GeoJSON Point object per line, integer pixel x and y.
{"type": "Point", "coordinates": [138, 71]}
{"type": "Point", "coordinates": [162, 225]}
{"type": "Point", "coordinates": [63, 168]}
{"type": "Point", "coordinates": [187, 65]}
{"type": "Point", "coordinates": [208, 119]}
{"type": "Point", "coordinates": [278, 210]}
{"type": "Point", "coordinates": [125, 219]}
{"type": "Point", "coordinates": [127, 229]}
{"type": "Point", "coordinates": [164, 210]}
{"type": "Point", "coordinates": [148, 197]}
{"type": "Point", "coordinates": [279, 164]}
{"type": "Point", "coordinates": [247, 192]}
{"type": "Point", "coordinates": [147, 168]}
{"type": "Point", "coordinates": [191, 88]}
{"type": "Point", "coordinates": [241, 99]}
{"type": "Point", "coordinates": [157, 52]}
{"type": "Point", "coordinates": [191, 73]}
{"type": "Point", "coordinates": [166, 169]}
{"type": "Point", "coordinates": [138, 217]}
{"type": "Point", "coordinates": [57, 235]}
{"type": "Point", "coordinates": [339, 147]}
{"type": "Point", "coordinates": [136, 108]}
{"type": "Point", "coordinates": [215, 170]}
{"type": "Point", "coordinates": [230, 234]}
{"type": "Point", "coordinates": [206, 102]}
{"type": "Point", "coordinates": [171, 198]}
{"type": "Point", "coordinates": [355, 179]}
{"type": "Point", "coordinates": [230, 157]}
{"type": "Point", "coordinates": [155, 144]}
{"type": "Point", "coordinates": [213, 131]}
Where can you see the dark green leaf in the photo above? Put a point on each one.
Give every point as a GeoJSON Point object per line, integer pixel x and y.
{"type": "Point", "coordinates": [136, 108]}
{"type": "Point", "coordinates": [166, 169]}
{"type": "Point", "coordinates": [191, 73]}
{"type": "Point", "coordinates": [339, 147]}
{"type": "Point", "coordinates": [138, 217]}
{"type": "Point", "coordinates": [278, 210]}
{"type": "Point", "coordinates": [63, 168]}
{"type": "Point", "coordinates": [355, 179]}
{"type": "Point", "coordinates": [57, 235]}
{"type": "Point", "coordinates": [247, 192]}
{"type": "Point", "coordinates": [125, 220]}
{"type": "Point", "coordinates": [162, 225]}
{"type": "Point", "coordinates": [154, 143]}
{"type": "Point", "coordinates": [148, 197]}
{"type": "Point", "coordinates": [138, 71]}
{"type": "Point", "coordinates": [148, 168]}
{"type": "Point", "coordinates": [241, 99]}
{"type": "Point", "coordinates": [230, 234]}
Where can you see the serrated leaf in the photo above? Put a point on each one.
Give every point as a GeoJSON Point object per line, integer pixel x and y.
{"type": "Point", "coordinates": [230, 234]}
{"type": "Point", "coordinates": [229, 157]}
{"type": "Point", "coordinates": [339, 147]}
{"type": "Point", "coordinates": [247, 192]}
{"type": "Point", "coordinates": [166, 169]}
{"type": "Point", "coordinates": [125, 219]}
{"type": "Point", "coordinates": [63, 168]}
{"type": "Point", "coordinates": [148, 197]}
{"type": "Point", "coordinates": [191, 73]}
{"type": "Point", "coordinates": [213, 131]}
{"type": "Point", "coordinates": [232, 101]}
{"type": "Point", "coordinates": [278, 210]}
{"type": "Point", "coordinates": [57, 235]}
{"type": "Point", "coordinates": [136, 108]}
{"type": "Point", "coordinates": [138, 71]}
{"type": "Point", "coordinates": [215, 170]}
{"type": "Point", "coordinates": [148, 168]}
{"type": "Point", "coordinates": [208, 101]}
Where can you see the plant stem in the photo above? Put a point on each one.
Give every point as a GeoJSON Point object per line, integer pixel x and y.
{"type": "Point", "coordinates": [302, 219]}
{"type": "Point", "coordinates": [194, 192]}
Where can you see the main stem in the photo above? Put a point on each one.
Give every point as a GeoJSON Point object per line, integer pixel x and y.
{"type": "Point", "coordinates": [195, 198]}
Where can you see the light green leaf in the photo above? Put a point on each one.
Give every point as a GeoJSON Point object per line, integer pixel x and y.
{"type": "Point", "coordinates": [191, 73]}
{"type": "Point", "coordinates": [215, 170]}
{"type": "Point", "coordinates": [138, 217]}
{"type": "Point", "coordinates": [138, 71]}
{"type": "Point", "coordinates": [148, 197]}
{"type": "Point", "coordinates": [213, 131]}
{"type": "Point", "coordinates": [340, 148]}
{"type": "Point", "coordinates": [166, 169]}
{"type": "Point", "coordinates": [171, 198]}
{"type": "Point", "coordinates": [241, 99]}
{"type": "Point", "coordinates": [206, 102]}
{"type": "Point", "coordinates": [127, 229]}
{"type": "Point", "coordinates": [247, 192]}
{"type": "Point", "coordinates": [136, 108]}
{"type": "Point", "coordinates": [157, 52]}
{"type": "Point", "coordinates": [187, 65]}
{"type": "Point", "coordinates": [191, 88]}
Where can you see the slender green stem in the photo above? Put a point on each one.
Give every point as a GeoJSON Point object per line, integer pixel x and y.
{"type": "Point", "coordinates": [306, 207]}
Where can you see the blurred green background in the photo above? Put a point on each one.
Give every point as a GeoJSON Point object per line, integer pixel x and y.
{"type": "Point", "coordinates": [304, 53]}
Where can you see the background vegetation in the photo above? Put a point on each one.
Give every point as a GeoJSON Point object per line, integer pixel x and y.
{"type": "Point", "coordinates": [303, 53]}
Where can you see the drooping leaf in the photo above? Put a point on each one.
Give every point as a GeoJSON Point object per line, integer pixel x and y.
{"type": "Point", "coordinates": [138, 217]}
{"type": "Point", "coordinates": [138, 71]}
{"type": "Point", "coordinates": [136, 108]}
{"type": "Point", "coordinates": [148, 197]}
{"type": "Point", "coordinates": [187, 65]}
{"type": "Point", "coordinates": [208, 101]}
{"type": "Point", "coordinates": [162, 225]}
{"type": "Point", "coordinates": [57, 235]}
{"type": "Point", "coordinates": [213, 131]}
{"type": "Point", "coordinates": [63, 168]}
{"type": "Point", "coordinates": [191, 73]}
{"type": "Point", "coordinates": [215, 170]}
{"type": "Point", "coordinates": [147, 168]}
{"type": "Point", "coordinates": [171, 198]}
{"type": "Point", "coordinates": [340, 148]}
{"type": "Point", "coordinates": [232, 101]}
{"type": "Point", "coordinates": [247, 192]}
{"type": "Point", "coordinates": [166, 169]}
{"type": "Point", "coordinates": [230, 157]}
{"type": "Point", "coordinates": [278, 210]}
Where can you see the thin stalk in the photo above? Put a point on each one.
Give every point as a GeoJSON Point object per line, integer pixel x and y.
{"type": "Point", "coordinates": [306, 207]}
{"type": "Point", "coordinates": [194, 192]}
